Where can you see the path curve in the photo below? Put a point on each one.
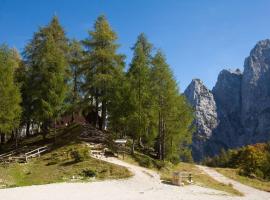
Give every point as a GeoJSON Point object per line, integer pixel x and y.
{"type": "Point", "coordinates": [249, 192]}
{"type": "Point", "coordinates": [144, 185]}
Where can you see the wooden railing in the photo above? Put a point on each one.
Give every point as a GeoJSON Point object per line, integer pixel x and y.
{"type": "Point", "coordinates": [35, 152]}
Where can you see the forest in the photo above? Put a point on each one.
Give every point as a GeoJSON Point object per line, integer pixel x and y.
{"type": "Point", "coordinates": [56, 76]}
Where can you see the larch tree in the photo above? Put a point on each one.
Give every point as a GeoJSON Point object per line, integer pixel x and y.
{"type": "Point", "coordinates": [102, 66]}
{"type": "Point", "coordinates": [47, 67]}
{"type": "Point", "coordinates": [75, 62]}
{"type": "Point", "coordinates": [139, 117]}
{"type": "Point", "coordinates": [10, 98]}
{"type": "Point", "coordinates": [174, 115]}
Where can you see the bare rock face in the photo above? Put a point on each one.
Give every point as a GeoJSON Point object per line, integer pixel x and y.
{"type": "Point", "coordinates": [204, 105]}
{"type": "Point", "coordinates": [255, 114]}
{"type": "Point", "coordinates": [227, 94]}
{"type": "Point", "coordinates": [237, 111]}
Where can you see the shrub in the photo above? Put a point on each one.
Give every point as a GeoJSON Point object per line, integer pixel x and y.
{"type": "Point", "coordinates": [79, 155]}
{"type": "Point", "coordinates": [145, 162]}
{"type": "Point", "coordinates": [88, 173]}
{"type": "Point", "coordinates": [159, 164]}
{"type": "Point", "coordinates": [174, 160]}
{"type": "Point", "coordinates": [75, 155]}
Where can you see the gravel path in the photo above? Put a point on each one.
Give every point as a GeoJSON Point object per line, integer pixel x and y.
{"type": "Point", "coordinates": [145, 184]}
{"type": "Point", "coordinates": [249, 192]}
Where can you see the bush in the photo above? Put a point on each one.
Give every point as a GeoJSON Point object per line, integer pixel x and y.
{"type": "Point", "coordinates": [145, 162]}
{"type": "Point", "coordinates": [174, 160]}
{"type": "Point", "coordinates": [79, 155]}
{"type": "Point", "coordinates": [159, 164]}
{"type": "Point", "coordinates": [88, 173]}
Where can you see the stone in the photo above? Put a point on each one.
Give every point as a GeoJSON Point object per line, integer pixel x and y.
{"type": "Point", "coordinates": [237, 111]}
{"type": "Point", "coordinates": [204, 105]}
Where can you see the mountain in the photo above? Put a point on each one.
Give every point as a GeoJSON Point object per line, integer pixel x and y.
{"type": "Point", "coordinates": [237, 110]}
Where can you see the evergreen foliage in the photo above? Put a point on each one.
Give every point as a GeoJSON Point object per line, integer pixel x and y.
{"type": "Point", "coordinates": [10, 98]}
{"type": "Point", "coordinates": [75, 58]}
{"type": "Point", "coordinates": [172, 112]}
{"type": "Point", "coordinates": [59, 77]}
{"type": "Point", "coordinates": [102, 67]}
{"type": "Point", "coordinates": [47, 72]}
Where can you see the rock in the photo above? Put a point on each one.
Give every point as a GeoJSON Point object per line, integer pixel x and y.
{"type": "Point", "coordinates": [237, 111]}
{"type": "Point", "coordinates": [255, 114]}
{"type": "Point", "coordinates": [204, 105]}
{"type": "Point", "coordinates": [227, 95]}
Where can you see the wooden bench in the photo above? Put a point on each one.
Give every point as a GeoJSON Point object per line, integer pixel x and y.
{"type": "Point", "coordinates": [179, 177]}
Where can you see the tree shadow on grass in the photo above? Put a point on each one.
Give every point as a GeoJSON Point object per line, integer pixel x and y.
{"type": "Point", "coordinates": [68, 163]}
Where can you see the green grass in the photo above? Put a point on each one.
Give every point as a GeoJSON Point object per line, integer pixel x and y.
{"type": "Point", "coordinates": [200, 178]}
{"type": "Point", "coordinates": [233, 174]}
{"type": "Point", "coordinates": [58, 165]}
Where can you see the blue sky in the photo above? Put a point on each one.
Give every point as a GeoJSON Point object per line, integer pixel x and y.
{"type": "Point", "coordinates": [199, 37]}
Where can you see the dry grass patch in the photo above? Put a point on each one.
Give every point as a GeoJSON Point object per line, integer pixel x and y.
{"type": "Point", "coordinates": [233, 174]}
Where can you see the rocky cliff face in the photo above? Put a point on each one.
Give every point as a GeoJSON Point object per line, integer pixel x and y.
{"type": "Point", "coordinates": [227, 94]}
{"type": "Point", "coordinates": [255, 114]}
{"type": "Point", "coordinates": [237, 111]}
{"type": "Point", "coordinates": [205, 115]}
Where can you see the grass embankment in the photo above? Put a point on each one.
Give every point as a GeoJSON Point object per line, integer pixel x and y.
{"type": "Point", "coordinates": [59, 165]}
{"type": "Point", "coordinates": [253, 182]}
{"type": "Point", "coordinates": [165, 169]}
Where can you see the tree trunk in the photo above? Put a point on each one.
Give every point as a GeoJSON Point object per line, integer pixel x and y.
{"type": "Point", "coordinates": [133, 146]}
{"type": "Point", "coordinates": [159, 137]}
{"type": "Point", "coordinates": [16, 138]}
{"type": "Point", "coordinates": [12, 136]}
{"type": "Point", "coordinates": [96, 124]}
{"type": "Point", "coordinates": [28, 128]}
{"type": "Point", "coordinates": [163, 139]}
{"type": "Point", "coordinates": [54, 130]}
{"type": "Point", "coordinates": [3, 138]}
{"type": "Point", "coordinates": [104, 115]}
{"type": "Point", "coordinates": [45, 129]}
{"type": "Point", "coordinates": [72, 116]}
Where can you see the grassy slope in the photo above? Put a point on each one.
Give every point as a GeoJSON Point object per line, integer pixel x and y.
{"type": "Point", "coordinates": [233, 174]}
{"type": "Point", "coordinates": [57, 165]}
{"type": "Point", "coordinates": [199, 177]}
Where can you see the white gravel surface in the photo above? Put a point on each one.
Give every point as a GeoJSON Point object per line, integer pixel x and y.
{"type": "Point", "coordinates": [145, 184]}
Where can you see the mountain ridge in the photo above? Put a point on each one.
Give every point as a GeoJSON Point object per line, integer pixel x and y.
{"type": "Point", "coordinates": [239, 105]}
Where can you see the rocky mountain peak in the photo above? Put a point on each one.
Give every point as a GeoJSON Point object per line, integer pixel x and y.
{"type": "Point", "coordinates": [237, 111]}
{"type": "Point", "coordinates": [204, 105]}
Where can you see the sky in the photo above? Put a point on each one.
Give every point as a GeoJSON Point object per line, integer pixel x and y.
{"type": "Point", "coordinates": [198, 37]}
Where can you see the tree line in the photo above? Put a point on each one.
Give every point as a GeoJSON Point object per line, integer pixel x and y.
{"type": "Point", "coordinates": [252, 160]}
{"type": "Point", "coordinates": [55, 76]}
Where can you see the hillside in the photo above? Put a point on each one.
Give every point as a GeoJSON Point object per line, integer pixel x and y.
{"type": "Point", "coordinates": [58, 164]}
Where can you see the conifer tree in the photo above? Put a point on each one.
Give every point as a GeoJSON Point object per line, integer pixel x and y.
{"type": "Point", "coordinates": [75, 61]}
{"type": "Point", "coordinates": [173, 115]}
{"type": "Point", "coordinates": [102, 66]}
{"type": "Point", "coordinates": [10, 110]}
{"type": "Point", "coordinates": [139, 119]}
{"type": "Point", "coordinates": [46, 59]}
